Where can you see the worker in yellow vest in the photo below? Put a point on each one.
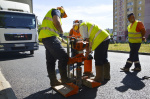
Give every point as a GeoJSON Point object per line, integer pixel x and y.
{"type": "Point", "coordinates": [136, 32]}
{"type": "Point", "coordinates": [51, 29]}
{"type": "Point", "coordinates": [98, 41]}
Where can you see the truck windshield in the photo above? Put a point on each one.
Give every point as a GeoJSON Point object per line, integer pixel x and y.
{"type": "Point", "coordinates": [17, 20]}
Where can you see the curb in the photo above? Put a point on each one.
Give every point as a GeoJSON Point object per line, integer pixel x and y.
{"type": "Point", "coordinates": [6, 91]}
{"type": "Point", "coordinates": [140, 53]}
{"type": "Point", "coordinates": [128, 52]}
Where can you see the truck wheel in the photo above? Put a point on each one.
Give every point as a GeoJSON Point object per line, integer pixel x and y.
{"type": "Point", "coordinates": [31, 52]}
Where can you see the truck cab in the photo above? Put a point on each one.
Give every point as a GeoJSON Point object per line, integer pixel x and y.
{"type": "Point", "coordinates": [18, 28]}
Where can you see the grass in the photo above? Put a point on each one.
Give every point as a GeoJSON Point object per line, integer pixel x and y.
{"type": "Point", "coordinates": [145, 48]}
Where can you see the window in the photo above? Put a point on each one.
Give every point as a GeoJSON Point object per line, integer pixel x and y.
{"type": "Point", "coordinates": [17, 20]}
{"type": "Point", "coordinates": [130, 9]}
{"type": "Point", "coordinates": [139, 14]}
{"type": "Point", "coordinates": [130, 3]}
{"type": "Point", "coordinates": [139, 8]}
{"type": "Point", "coordinates": [140, 2]}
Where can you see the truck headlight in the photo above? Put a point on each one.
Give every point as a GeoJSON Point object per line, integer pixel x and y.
{"type": "Point", "coordinates": [35, 44]}
{"type": "Point", "coordinates": [1, 45]}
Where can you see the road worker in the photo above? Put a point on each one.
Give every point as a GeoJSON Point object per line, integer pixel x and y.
{"type": "Point", "coordinates": [98, 41]}
{"type": "Point", "coordinates": [76, 34]}
{"type": "Point", "coordinates": [136, 32]}
{"type": "Point", "coordinates": [51, 29]}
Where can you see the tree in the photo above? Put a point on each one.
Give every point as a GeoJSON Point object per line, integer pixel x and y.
{"type": "Point", "coordinates": [66, 34]}
{"type": "Point", "coordinates": [111, 35]}
{"type": "Point", "coordinates": [39, 27]}
{"type": "Point", "coordinates": [148, 37]}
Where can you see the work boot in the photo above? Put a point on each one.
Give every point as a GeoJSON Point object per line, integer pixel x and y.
{"type": "Point", "coordinates": [89, 74]}
{"type": "Point", "coordinates": [107, 71]}
{"type": "Point", "coordinates": [99, 73]}
{"type": "Point", "coordinates": [64, 78]}
{"type": "Point", "coordinates": [125, 69]}
{"type": "Point", "coordinates": [53, 79]}
{"type": "Point", "coordinates": [127, 66]}
{"type": "Point", "coordinates": [137, 66]}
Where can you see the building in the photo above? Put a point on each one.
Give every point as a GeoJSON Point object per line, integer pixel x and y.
{"type": "Point", "coordinates": [121, 8]}
{"type": "Point", "coordinates": [29, 2]}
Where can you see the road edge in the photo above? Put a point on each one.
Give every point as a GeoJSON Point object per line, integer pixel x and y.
{"type": "Point", "coordinates": [6, 91]}
{"type": "Point", "coordinates": [140, 53]}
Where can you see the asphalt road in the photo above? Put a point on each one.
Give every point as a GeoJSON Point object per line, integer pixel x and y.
{"type": "Point", "coordinates": [27, 75]}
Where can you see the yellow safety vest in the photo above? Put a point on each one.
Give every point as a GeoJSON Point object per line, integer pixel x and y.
{"type": "Point", "coordinates": [133, 35]}
{"type": "Point", "coordinates": [48, 29]}
{"type": "Point", "coordinates": [96, 34]}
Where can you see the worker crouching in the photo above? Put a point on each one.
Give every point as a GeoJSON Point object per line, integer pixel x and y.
{"type": "Point", "coordinates": [98, 41]}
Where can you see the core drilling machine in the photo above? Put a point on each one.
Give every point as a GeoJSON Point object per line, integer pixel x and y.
{"type": "Point", "coordinates": [79, 80]}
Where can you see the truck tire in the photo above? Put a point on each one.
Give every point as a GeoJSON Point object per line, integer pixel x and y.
{"type": "Point", "coordinates": [31, 52]}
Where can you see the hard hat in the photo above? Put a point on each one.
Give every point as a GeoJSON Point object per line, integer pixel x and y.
{"type": "Point", "coordinates": [76, 21]}
{"type": "Point", "coordinates": [62, 10]}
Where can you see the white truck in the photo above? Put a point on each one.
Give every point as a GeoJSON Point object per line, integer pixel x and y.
{"type": "Point", "coordinates": [18, 28]}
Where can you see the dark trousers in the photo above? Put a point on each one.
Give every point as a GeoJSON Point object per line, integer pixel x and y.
{"type": "Point", "coordinates": [134, 48]}
{"type": "Point", "coordinates": [54, 51]}
{"type": "Point", "coordinates": [100, 54]}
{"type": "Point", "coordinates": [133, 56]}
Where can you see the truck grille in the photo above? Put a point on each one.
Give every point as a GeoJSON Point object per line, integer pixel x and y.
{"type": "Point", "coordinates": [17, 36]}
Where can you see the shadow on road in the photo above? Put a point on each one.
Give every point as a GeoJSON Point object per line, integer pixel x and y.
{"type": "Point", "coordinates": [85, 93]}
{"type": "Point", "coordinates": [13, 55]}
{"type": "Point", "coordinates": [131, 81]}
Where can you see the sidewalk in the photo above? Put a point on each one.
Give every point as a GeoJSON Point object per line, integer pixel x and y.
{"type": "Point", "coordinates": [6, 91]}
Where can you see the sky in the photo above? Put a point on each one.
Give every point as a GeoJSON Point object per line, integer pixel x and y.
{"type": "Point", "coordinates": [99, 12]}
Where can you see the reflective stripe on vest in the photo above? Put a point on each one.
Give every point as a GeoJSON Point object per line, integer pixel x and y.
{"type": "Point", "coordinates": [91, 28]}
{"type": "Point", "coordinates": [47, 28]}
{"type": "Point", "coordinates": [48, 18]}
{"type": "Point", "coordinates": [135, 37]}
{"type": "Point", "coordinates": [134, 33]}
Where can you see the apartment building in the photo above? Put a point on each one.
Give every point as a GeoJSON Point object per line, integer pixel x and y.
{"type": "Point", "coordinates": [121, 8]}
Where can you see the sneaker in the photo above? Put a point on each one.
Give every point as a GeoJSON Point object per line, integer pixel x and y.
{"type": "Point", "coordinates": [136, 69]}
{"type": "Point", "coordinates": [125, 69]}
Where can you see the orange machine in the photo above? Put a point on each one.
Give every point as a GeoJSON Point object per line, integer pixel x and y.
{"type": "Point", "coordinates": [71, 88]}
{"type": "Point", "coordinates": [79, 46]}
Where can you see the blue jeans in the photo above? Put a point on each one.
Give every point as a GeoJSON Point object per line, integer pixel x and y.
{"type": "Point", "coordinates": [100, 54]}
{"type": "Point", "coordinates": [54, 51]}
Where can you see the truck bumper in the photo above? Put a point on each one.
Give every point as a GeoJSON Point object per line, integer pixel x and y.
{"type": "Point", "coordinates": [18, 47]}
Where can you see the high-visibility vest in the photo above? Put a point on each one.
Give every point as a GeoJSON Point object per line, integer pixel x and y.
{"type": "Point", "coordinates": [133, 35]}
{"type": "Point", "coordinates": [96, 34]}
{"type": "Point", "coordinates": [75, 34]}
{"type": "Point", "coordinates": [48, 29]}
